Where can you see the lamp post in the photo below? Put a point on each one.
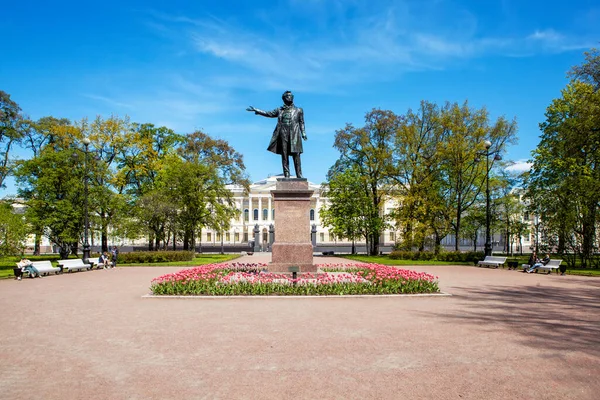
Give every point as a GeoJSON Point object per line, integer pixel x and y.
{"type": "Point", "coordinates": [86, 224]}
{"type": "Point", "coordinates": [536, 225]}
{"type": "Point", "coordinates": [488, 213]}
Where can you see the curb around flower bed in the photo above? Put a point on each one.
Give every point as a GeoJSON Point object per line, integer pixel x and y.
{"type": "Point", "coordinates": [331, 280]}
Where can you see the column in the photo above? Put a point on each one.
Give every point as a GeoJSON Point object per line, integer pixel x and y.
{"type": "Point", "coordinates": [270, 216]}
{"type": "Point", "coordinates": [260, 216]}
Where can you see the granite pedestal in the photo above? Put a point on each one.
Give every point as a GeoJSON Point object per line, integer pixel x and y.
{"type": "Point", "coordinates": [292, 250]}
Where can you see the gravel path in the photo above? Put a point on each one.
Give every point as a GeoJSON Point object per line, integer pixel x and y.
{"type": "Point", "coordinates": [500, 335]}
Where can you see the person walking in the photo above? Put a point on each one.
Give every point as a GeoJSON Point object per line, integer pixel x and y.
{"type": "Point", "coordinates": [114, 255]}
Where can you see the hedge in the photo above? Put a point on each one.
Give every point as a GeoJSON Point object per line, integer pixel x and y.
{"type": "Point", "coordinates": [144, 257]}
{"type": "Point", "coordinates": [452, 256]}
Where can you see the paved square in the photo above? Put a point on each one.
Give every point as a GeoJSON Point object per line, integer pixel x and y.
{"type": "Point", "coordinates": [501, 335]}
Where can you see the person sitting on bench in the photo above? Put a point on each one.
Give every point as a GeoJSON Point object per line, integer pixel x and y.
{"type": "Point", "coordinates": [539, 263]}
{"type": "Point", "coordinates": [104, 260]}
{"type": "Point", "coordinates": [26, 265]}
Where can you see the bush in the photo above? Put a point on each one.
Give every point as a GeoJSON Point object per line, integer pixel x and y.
{"type": "Point", "coordinates": [450, 256]}
{"type": "Point", "coordinates": [146, 257]}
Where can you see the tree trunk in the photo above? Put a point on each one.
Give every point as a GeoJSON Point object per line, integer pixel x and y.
{"type": "Point", "coordinates": [438, 244]}
{"type": "Point", "coordinates": [104, 239]}
{"type": "Point", "coordinates": [186, 240]}
{"type": "Point", "coordinates": [36, 245]}
{"type": "Point", "coordinates": [150, 241]}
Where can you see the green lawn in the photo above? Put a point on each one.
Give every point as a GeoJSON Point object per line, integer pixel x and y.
{"type": "Point", "coordinates": [8, 263]}
{"type": "Point", "coordinates": [385, 260]}
{"type": "Point", "coordinates": [198, 260]}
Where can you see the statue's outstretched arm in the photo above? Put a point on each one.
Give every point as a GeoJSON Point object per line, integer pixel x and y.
{"type": "Point", "coordinates": [270, 114]}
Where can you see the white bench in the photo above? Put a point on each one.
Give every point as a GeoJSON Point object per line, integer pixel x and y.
{"type": "Point", "coordinates": [44, 267]}
{"type": "Point", "coordinates": [74, 264]}
{"type": "Point", "coordinates": [552, 265]}
{"type": "Point", "coordinates": [491, 261]}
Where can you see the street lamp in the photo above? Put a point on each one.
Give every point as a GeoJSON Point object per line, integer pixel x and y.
{"type": "Point", "coordinates": [86, 244]}
{"type": "Point", "coordinates": [488, 214]}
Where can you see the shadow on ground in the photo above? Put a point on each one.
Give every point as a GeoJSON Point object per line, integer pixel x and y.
{"type": "Point", "coordinates": [558, 318]}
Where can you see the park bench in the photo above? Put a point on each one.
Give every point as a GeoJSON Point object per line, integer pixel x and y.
{"type": "Point", "coordinates": [492, 261]}
{"type": "Point", "coordinates": [74, 264]}
{"type": "Point", "coordinates": [44, 267]}
{"type": "Point", "coordinates": [552, 265]}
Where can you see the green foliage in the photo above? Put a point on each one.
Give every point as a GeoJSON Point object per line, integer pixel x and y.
{"type": "Point", "coordinates": [367, 151]}
{"type": "Point", "coordinates": [147, 257]}
{"type": "Point", "coordinates": [52, 185]}
{"type": "Point", "coordinates": [344, 213]}
{"type": "Point", "coordinates": [562, 185]}
{"type": "Point", "coordinates": [13, 230]}
{"type": "Point", "coordinates": [10, 133]}
{"type": "Point", "coordinates": [450, 256]}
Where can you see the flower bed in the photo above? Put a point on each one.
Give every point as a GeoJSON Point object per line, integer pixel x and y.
{"type": "Point", "coordinates": [332, 279]}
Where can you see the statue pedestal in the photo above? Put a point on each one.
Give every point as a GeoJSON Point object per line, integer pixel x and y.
{"type": "Point", "coordinates": [292, 250]}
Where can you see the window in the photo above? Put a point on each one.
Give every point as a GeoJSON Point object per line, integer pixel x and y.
{"type": "Point", "coordinates": [246, 215]}
{"type": "Point", "coordinates": [255, 214]}
{"type": "Point", "coordinates": [236, 237]}
{"type": "Point", "coordinates": [312, 214]}
{"type": "Point", "coordinates": [265, 214]}
{"type": "Point", "coordinates": [322, 237]}
{"type": "Point", "coordinates": [228, 237]}
{"type": "Point", "coordinates": [392, 236]}
{"type": "Point", "coordinates": [273, 214]}
{"type": "Point", "coordinates": [218, 235]}
{"type": "Point", "coordinates": [208, 237]}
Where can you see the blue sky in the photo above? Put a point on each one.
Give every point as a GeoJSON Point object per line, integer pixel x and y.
{"type": "Point", "coordinates": [198, 65]}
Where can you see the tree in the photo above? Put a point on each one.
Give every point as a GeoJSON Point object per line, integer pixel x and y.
{"type": "Point", "coordinates": [416, 176]}
{"type": "Point", "coordinates": [52, 187]}
{"type": "Point", "coordinates": [368, 150]}
{"type": "Point", "coordinates": [473, 223]}
{"type": "Point", "coordinates": [10, 133]}
{"type": "Point", "coordinates": [199, 194]}
{"type": "Point", "coordinates": [109, 138]}
{"type": "Point", "coordinates": [139, 164]}
{"type": "Point", "coordinates": [589, 71]}
{"type": "Point", "coordinates": [36, 135]}
{"type": "Point", "coordinates": [463, 173]}
{"type": "Point", "coordinates": [346, 210]}
{"type": "Point", "coordinates": [510, 206]}
{"type": "Point", "coordinates": [215, 164]}
{"type": "Point", "coordinates": [13, 230]}
{"type": "Point", "coordinates": [562, 185]}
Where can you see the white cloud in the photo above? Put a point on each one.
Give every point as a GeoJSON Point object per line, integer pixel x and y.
{"type": "Point", "coordinates": [351, 41]}
{"type": "Point", "coordinates": [520, 166]}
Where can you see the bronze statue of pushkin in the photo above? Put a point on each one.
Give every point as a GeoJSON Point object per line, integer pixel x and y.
{"type": "Point", "coordinates": [288, 134]}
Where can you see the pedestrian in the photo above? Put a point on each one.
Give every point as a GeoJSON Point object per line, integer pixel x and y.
{"type": "Point", "coordinates": [114, 254]}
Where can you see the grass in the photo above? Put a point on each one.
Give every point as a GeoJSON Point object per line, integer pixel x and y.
{"type": "Point", "coordinates": [8, 263]}
{"type": "Point", "coordinates": [198, 260]}
{"type": "Point", "coordinates": [385, 260]}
